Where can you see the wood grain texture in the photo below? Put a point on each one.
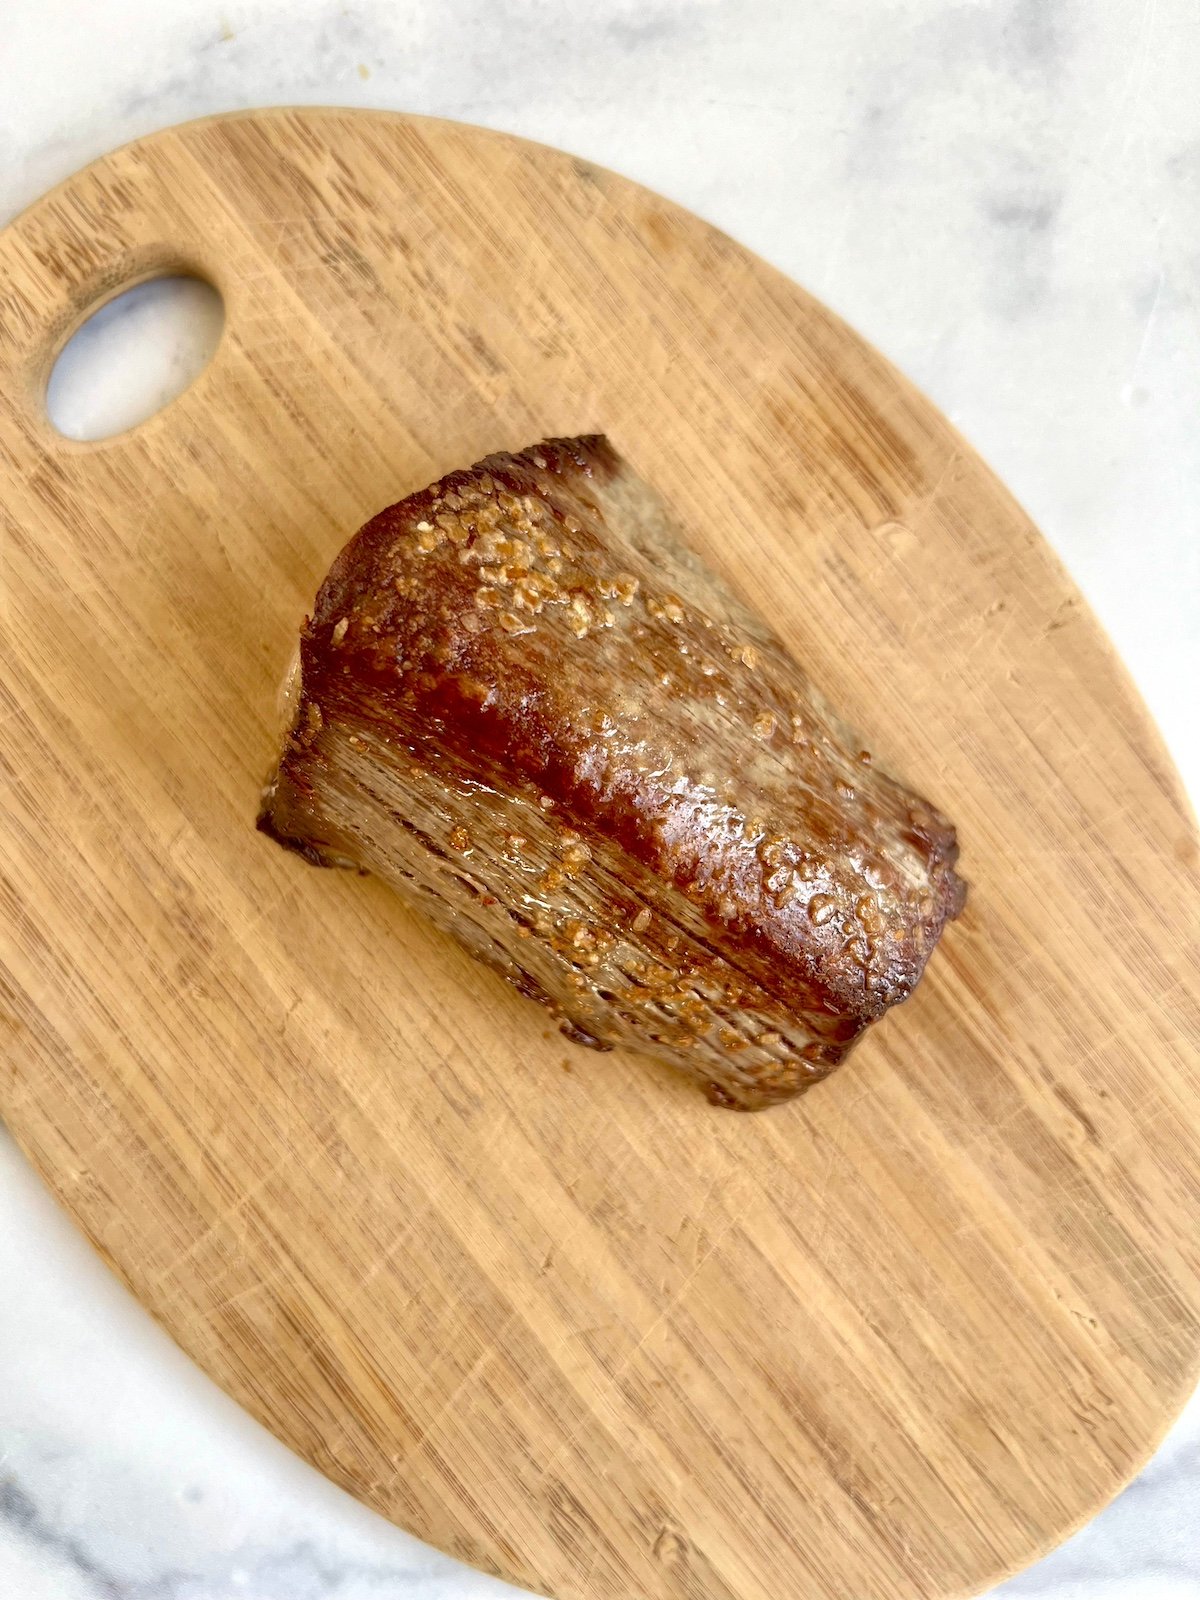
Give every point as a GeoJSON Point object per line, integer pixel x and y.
{"type": "Point", "coordinates": [575, 1327]}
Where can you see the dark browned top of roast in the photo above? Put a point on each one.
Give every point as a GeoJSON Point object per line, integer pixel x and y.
{"type": "Point", "coordinates": [537, 621]}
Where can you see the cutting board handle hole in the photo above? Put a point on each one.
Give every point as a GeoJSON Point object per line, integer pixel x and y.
{"type": "Point", "coordinates": [133, 356]}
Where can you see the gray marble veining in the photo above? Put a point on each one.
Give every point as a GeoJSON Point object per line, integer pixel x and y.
{"type": "Point", "coordinates": [1005, 197]}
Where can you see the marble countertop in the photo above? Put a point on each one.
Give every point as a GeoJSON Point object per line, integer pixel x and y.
{"type": "Point", "coordinates": [1004, 195]}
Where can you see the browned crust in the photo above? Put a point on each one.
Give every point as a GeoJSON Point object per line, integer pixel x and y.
{"type": "Point", "coordinates": [534, 625]}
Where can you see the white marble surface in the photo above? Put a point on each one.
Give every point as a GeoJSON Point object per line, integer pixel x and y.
{"type": "Point", "coordinates": [1006, 198]}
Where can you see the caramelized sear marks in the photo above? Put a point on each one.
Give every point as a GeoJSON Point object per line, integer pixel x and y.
{"type": "Point", "coordinates": [525, 704]}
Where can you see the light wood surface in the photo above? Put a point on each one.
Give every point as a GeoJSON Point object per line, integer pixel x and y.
{"type": "Point", "coordinates": [574, 1325]}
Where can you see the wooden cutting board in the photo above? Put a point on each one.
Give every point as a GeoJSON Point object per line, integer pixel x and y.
{"type": "Point", "coordinates": [544, 1308]}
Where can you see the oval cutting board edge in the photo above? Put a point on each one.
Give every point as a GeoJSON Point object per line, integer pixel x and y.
{"type": "Point", "coordinates": [444, 1270]}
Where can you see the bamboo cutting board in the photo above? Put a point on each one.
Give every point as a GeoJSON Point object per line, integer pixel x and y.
{"type": "Point", "coordinates": [575, 1326]}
